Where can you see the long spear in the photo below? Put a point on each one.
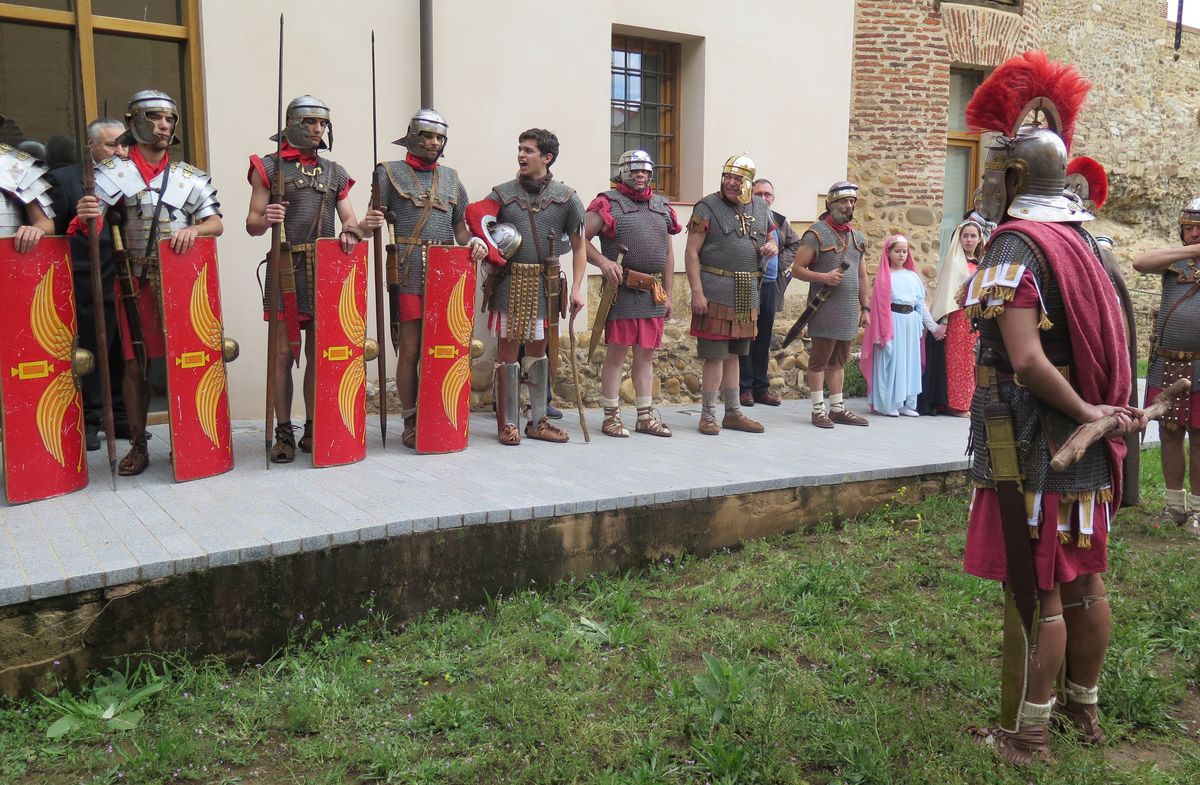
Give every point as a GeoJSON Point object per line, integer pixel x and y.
{"type": "Point", "coordinates": [378, 243]}
{"type": "Point", "coordinates": [106, 412]}
{"type": "Point", "coordinates": [273, 275]}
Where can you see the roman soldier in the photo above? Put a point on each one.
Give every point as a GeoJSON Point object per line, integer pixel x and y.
{"type": "Point", "coordinates": [25, 211]}
{"type": "Point", "coordinates": [163, 199]}
{"type": "Point", "coordinates": [1052, 355]}
{"type": "Point", "coordinates": [315, 190]}
{"type": "Point", "coordinates": [1175, 354]}
{"type": "Point", "coordinates": [426, 204]}
{"type": "Point", "coordinates": [635, 227]}
{"type": "Point", "coordinates": [525, 293]}
{"type": "Point", "coordinates": [729, 239]}
{"type": "Point", "coordinates": [833, 260]}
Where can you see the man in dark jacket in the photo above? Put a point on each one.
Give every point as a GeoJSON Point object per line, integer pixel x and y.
{"type": "Point", "coordinates": [754, 382]}
{"type": "Point", "coordinates": [68, 188]}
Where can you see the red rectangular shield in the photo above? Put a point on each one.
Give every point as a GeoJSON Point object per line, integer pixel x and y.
{"type": "Point", "coordinates": [197, 388]}
{"type": "Point", "coordinates": [41, 410]}
{"type": "Point", "coordinates": [444, 383]}
{"type": "Point", "coordinates": [340, 404]}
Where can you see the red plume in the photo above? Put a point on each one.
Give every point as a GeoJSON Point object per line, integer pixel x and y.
{"type": "Point", "coordinates": [998, 103]}
{"type": "Point", "coordinates": [1097, 179]}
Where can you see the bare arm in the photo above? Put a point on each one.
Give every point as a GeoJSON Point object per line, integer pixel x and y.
{"type": "Point", "coordinates": [592, 224]}
{"type": "Point", "coordinates": [262, 215]}
{"type": "Point", "coordinates": [1161, 259]}
{"type": "Point", "coordinates": [1018, 327]}
{"type": "Point", "coordinates": [26, 238]}
{"type": "Point", "coordinates": [463, 236]}
{"type": "Point", "coordinates": [864, 291]}
{"type": "Point", "coordinates": [578, 270]}
{"type": "Point", "coordinates": [669, 275]}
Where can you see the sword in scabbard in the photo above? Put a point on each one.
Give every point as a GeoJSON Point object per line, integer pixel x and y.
{"type": "Point", "coordinates": [554, 306]}
{"type": "Point", "coordinates": [814, 305]}
{"type": "Point", "coordinates": [273, 276]}
{"type": "Point", "coordinates": [608, 293]}
{"type": "Point", "coordinates": [393, 282]}
{"type": "Point", "coordinates": [106, 402]}
{"type": "Point", "coordinates": [377, 247]}
{"type": "Point", "coordinates": [129, 292]}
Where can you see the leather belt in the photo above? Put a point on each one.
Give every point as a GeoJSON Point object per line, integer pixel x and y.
{"type": "Point", "coordinates": [1171, 354]}
{"type": "Point", "coordinates": [985, 375]}
{"type": "Point", "coordinates": [902, 308]}
{"type": "Point", "coordinates": [415, 241]}
{"type": "Point", "coordinates": [729, 273]}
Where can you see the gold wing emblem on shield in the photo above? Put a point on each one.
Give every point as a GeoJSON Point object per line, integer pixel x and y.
{"type": "Point", "coordinates": [207, 327]}
{"type": "Point", "coordinates": [354, 325]}
{"type": "Point", "coordinates": [459, 322]}
{"type": "Point", "coordinates": [55, 337]}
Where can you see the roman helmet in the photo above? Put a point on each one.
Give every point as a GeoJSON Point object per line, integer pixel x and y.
{"type": "Point", "coordinates": [743, 167]}
{"type": "Point", "coordinates": [1189, 215]}
{"type": "Point", "coordinates": [300, 109]}
{"type": "Point", "coordinates": [632, 161]}
{"type": "Point", "coordinates": [1031, 103]}
{"type": "Point", "coordinates": [140, 127]}
{"type": "Point", "coordinates": [424, 120]}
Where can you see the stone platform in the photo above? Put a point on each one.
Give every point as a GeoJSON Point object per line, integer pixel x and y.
{"type": "Point", "coordinates": [228, 565]}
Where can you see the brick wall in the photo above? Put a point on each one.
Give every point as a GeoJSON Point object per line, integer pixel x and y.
{"type": "Point", "coordinates": [904, 50]}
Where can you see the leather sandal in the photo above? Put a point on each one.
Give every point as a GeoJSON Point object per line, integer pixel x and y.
{"type": "Point", "coordinates": [612, 425]}
{"type": "Point", "coordinates": [305, 443]}
{"type": "Point", "coordinates": [846, 417]}
{"type": "Point", "coordinates": [284, 448]}
{"type": "Point", "coordinates": [135, 461]}
{"type": "Point", "coordinates": [821, 419]}
{"type": "Point", "coordinates": [1084, 718]}
{"type": "Point", "coordinates": [546, 432]}
{"type": "Point", "coordinates": [408, 437]}
{"type": "Point", "coordinates": [651, 425]}
{"type": "Point", "coordinates": [508, 434]}
{"type": "Point", "coordinates": [1031, 743]}
{"type": "Point", "coordinates": [708, 424]}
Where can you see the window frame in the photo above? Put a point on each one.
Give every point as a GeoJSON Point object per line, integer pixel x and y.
{"type": "Point", "coordinates": [666, 156]}
{"type": "Point", "coordinates": [85, 24]}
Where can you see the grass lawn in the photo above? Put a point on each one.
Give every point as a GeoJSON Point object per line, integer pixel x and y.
{"type": "Point", "coordinates": [853, 653]}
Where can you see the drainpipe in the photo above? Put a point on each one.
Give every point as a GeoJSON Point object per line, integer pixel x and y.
{"type": "Point", "coordinates": [426, 54]}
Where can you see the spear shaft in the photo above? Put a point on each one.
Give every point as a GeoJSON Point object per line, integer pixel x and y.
{"type": "Point", "coordinates": [273, 274]}
{"type": "Point", "coordinates": [378, 249]}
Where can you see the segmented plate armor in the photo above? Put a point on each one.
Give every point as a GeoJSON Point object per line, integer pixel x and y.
{"type": "Point", "coordinates": [190, 198]}
{"type": "Point", "coordinates": [311, 196]}
{"type": "Point", "coordinates": [22, 181]}
{"type": "Point", "coordinates": [642, 227]}
{"type": "Point", "coordinates": [559, 213]}
{"type": "Point", "coordinates": [838, 317]}
{"type": "Point", "coordinates": [1182, 331]}
{"type": "Point", "coordinates": [726, 247]}
{"type": "Point", "coordinates": [1031, 417]}
{"type": "Point", "coordinates": [404, 191]}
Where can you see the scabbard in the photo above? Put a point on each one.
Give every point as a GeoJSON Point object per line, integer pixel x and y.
{"type": "Point", "coordinates": [608, 294]}
{"type": "Point", "coordinates": [133, 318]}
{"type": "Point", "coordinates": [794, 331]}
{"type": "Point", "coordinates": [393, 289]}
{"type": "Point", "coordinates": [553, 305]}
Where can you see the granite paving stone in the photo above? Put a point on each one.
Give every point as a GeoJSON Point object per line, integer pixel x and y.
{"type": "Point", "coordinates": [151, 527]}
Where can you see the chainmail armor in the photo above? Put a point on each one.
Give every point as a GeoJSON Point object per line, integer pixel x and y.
{"type": "Point", "coordinates": [642, 228]}
{"type": "Point", "coordinates": [404, 191]}
{"type": "Point", "coordinates": [1179, 334]}
{"type": "Point", "coordinates": [726, 247]}
{"type": "Point", "coordinates": [838, 317]}
{"type": "Point", "coordinates": [311, 196]}
{"type": "Point", "coordinates": [1036, 425]}
{"type": "Point", "coordinates": [559, 212]}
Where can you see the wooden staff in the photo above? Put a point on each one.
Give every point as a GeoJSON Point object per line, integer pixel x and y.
{"type": "Point", "coordinates": [1089, 433]}
{"type": "Point", "coordinates": [377, 241]}
{"type": "Point", "coordinates": [106, 411]}
{"type": "Point", "coordinates": [273, 275]}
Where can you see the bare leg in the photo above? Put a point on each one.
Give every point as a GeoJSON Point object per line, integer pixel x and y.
{"type": "Point", "coordinates": [310, 369]}
{"type": "Point", "coordinates": [282, 369]}
{"type": "Point", "coordinates": [643, 371]}
{"type": "Point", "coordinates": [1089, 629]}
{"type": "Point", "coordinates": [610, 374]}
{"type": "Point", "coordinates": [137, 405]}
{"type": "Point", "coordinates": [407, 362]}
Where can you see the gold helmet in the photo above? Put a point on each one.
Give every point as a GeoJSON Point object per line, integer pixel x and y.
{"type": "Point", "coordinates": [743, 167]}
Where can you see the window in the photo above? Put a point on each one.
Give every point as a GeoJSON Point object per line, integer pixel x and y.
{"type": "Point", "coordinates": [962, 153]}
{"type": "Point", "coordinates": [1191, 13]}
{"type": "Point", "coordinates": [69, 61]}
{"type": "Point", "coordinates": [645, 106]}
